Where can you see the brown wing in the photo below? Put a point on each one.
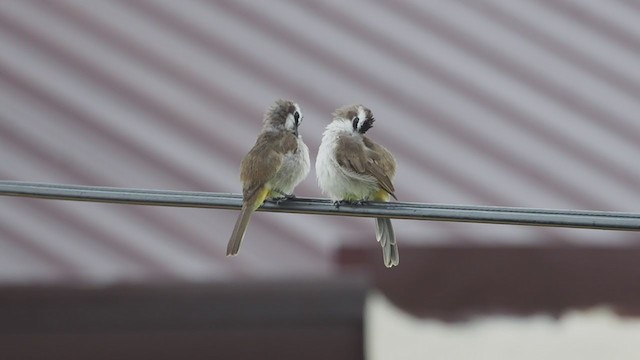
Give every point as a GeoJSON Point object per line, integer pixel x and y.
{"type": "Point", "coordinates": [264, 160]}
{"type": "Point", "coordinates": [367, 158]}
{"type": "Point", "coordinates": [350, 155]}
{"type": "Point", "coordinates": [383, 161]}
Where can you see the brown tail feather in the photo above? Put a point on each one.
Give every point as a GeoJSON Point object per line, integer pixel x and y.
{"type": "Point", "coordinates": [239, 230]}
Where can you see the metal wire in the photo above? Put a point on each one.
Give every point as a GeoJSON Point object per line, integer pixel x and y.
{"type": "Point", "coordinates": [414, 211]}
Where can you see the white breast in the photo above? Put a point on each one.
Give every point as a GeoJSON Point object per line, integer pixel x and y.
{"type": "Point", "coordinates": [334, 181]}
{"type": "Point", "coordinates": [295, 168]}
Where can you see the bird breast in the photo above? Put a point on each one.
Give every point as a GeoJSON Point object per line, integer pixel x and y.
{"type": "Point", "coordinates": [295, 167]}
{"type": "Point", "coordinates": [335, 181]}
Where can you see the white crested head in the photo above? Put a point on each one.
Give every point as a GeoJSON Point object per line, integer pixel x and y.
{"type": "Point", "coordinates": [356, 119]}
{"type": "Point", "coordinates": [283, 115]}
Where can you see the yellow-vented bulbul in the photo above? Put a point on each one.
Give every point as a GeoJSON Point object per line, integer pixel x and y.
{"type": "Point", "coordinates": [275, 165]}
{"type": "Point", "coordinates": [352, 168]}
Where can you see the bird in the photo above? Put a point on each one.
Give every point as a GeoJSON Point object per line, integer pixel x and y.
{"type": "Point", "coordinates": [353, 169]}
{"type": "Point", "coordinates": [273, 167]}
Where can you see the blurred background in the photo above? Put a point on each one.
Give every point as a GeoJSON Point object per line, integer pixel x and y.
{"type": "Point", "coordinates": [529, 103]}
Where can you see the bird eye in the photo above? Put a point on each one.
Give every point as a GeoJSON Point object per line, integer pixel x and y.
{"type": "Point", "coordinates": [296, 117]}
{"type": "Point", "coordinates": [355, 122]}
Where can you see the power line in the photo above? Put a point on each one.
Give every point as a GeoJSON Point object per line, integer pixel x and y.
{"type": "Point", "coordinates": [602, 220]}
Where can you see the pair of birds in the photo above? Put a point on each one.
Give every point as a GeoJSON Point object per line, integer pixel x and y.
{"type": "Point", "coordinates": [350, 167]}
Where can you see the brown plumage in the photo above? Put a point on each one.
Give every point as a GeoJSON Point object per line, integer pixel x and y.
{"type": "Point", "coordinates": [367, 158]}
{"type": "Point", "coordinates": [351, 167]}
{"type": "Point", "coordinates": [264, 161]}
{"type": "Point", "coordinates": [278, 162]}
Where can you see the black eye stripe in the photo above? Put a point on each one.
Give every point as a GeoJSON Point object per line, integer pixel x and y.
{"type": "Point", "coordinates": [296, 117]}
{"type": "Point", "coordinates": [355, 122]}
{"type": "Point", "coordinates": [366, 125]}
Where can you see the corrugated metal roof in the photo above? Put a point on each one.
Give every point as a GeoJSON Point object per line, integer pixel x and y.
{"type": "Point", "coordinates": [519, 103]}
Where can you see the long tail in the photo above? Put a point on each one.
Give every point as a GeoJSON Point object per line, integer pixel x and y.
{"type": "Point", "coordinates": [239, 230]}
{"type": "Point", "coordinates": [387, 239]}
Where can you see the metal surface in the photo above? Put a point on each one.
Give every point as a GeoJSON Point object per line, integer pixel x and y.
{"type": "Point", "coordinates": [413, 211]}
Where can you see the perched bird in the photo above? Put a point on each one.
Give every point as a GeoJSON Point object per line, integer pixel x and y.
{"type": "Point", "coordinates": [353, 169]}
{"type": "Point", "coordinates": [273, 167]}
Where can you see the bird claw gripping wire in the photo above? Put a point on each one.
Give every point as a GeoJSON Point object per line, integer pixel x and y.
{"type": "Point", "coordinates": [339, 203]}
{"type": "Point", "coordinates": [282, 198]}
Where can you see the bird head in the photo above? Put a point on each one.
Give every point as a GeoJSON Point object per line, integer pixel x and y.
{"type": "Point", "coordinates": [357, 118]}
{"type": "Point", "coordinates": [283, 115]}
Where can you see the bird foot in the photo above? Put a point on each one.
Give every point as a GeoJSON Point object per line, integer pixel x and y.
{"type": "Point", "coordinates": [282, 198]}
{"type": "Point", "coordinates": [339, 203]}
